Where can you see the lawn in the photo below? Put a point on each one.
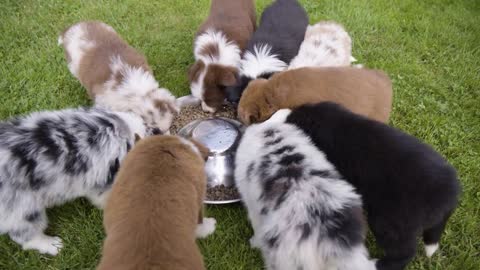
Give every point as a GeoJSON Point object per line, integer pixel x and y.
{"type": "Point", "coordinates": [430, 49]}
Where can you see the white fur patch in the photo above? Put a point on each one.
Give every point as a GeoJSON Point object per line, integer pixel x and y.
{"type": "Point", "coordinates": [76, 44]}
{"type": "Point", "coordinates": [228, 51]}
{"type": "Point", "coordinates": [207, 108]}
{"type": "Point", "coordinates": [206, 228]}
{"type": "Point", "coordinates": [326, 44]}
{"type": "Point", "coordinates": [279, 116]}
{"type": "Point", "coordinates": [228, 55]}
{"type": "Point", "coordinates": [137, 92]}
{"type": "Point", "coordinates": [44, 244]}
{"type": "Point", "coordinates": [431, 249]}
{"type": "Point", "coordinates": [261, 61]}
{"type": "Point", "coordinates": [189, 100]}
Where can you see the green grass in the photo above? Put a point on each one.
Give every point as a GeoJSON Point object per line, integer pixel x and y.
{"type": "Point", "coordinates": [429, 48]}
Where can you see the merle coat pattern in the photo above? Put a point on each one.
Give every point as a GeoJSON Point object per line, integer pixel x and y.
{"type": "Point", "coordinates": [273, 45]}
{"type": "Point", "coordinates": [304, 215]}
{"type": "Point", "coordinates": [49, 158]}
{"type": "Point", "coordinates": [408, 189]}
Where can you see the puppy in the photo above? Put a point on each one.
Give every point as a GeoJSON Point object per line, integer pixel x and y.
{"type": "Point", "coordinates": [218, 44]}
{"type": "Point", "coordinates": [326, 44]}
{"type": "Point", "coordinates": [52, 157]}
{"type": "Point", "coordinates": [156, 202]}
{"type": "Point", "coordinates": [273, 45]}
{"type": "Point", "coordinates": [304, 215]}
{"type": "Point", "coordinates": [408, 189]}
{"type": "Point", "coordinates": [115, 75]}
{"type": "Point", "coordinates": [364, 91]}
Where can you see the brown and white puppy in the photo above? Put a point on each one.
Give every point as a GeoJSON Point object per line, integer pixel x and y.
{"type": "Point", "coordinates": [155, 204]}
{"type": "Point", "coordinates": [364, 91]}
{"type": "Point", "coordinates": [219, 42]}
{"type": "Point", "coordinates": [116, 75]}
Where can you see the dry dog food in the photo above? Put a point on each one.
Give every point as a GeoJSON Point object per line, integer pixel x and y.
{"type": "Point", "coordinates": [191, 113]}
{"type": "Point", "coordinates": [222, 193]}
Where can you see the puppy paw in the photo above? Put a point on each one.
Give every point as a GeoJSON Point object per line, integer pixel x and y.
{"type": "Point", "coordinates": [206, 228]}
{"type": "Point", "coordinates": [45, 244]}
{"type": "Point", "coordinates": [99, 200]}
{"type": "Point", "coordinates": [187, 101]}
{"type": "Point", "coordinates": [254, 242]}
{"type": "Point", "coordinates": [431, 249]}
{"type": "Point", "coordinates": [207, 108]}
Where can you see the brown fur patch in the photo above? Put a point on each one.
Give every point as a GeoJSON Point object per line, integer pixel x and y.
{"type": "Point", "coordinates": [165, 106]}
{"type": "Point", "coordinates": [195, 70]}
{"type": "Point", "coordinates": [216, 79]}
{"type": "Point", "coordinates": [201, 148]}
{"type": "Point", "coordinates": [94, 69]}
{"type": "Point", "coordinates": [363, 91]}
{"type": "Point", "coordinates": [235, 18]}
{"type": "Point", "coordinates": [210, 50]}
{"type": "Point", "coordinates": [158, 192]}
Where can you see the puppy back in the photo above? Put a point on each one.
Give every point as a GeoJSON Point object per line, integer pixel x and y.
{"type": "Point", "coordinates": [155, 194]}
{"type": "Point", "coordinates": [364, 91]}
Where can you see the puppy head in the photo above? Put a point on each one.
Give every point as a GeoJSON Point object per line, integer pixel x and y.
{"type": "Point", "coordinates": [158, 109]}
{"type": "Point", "coordinates": [235, 92]}
{"type": "Point", "coordinates": [258, 102]}
{"type": "Point", "coordinates": [217, 79]}
{"type": "Point", "coordinates": [329, 32]}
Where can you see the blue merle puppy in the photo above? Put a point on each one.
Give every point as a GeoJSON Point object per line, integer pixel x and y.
{"type": "Point", "coordinates": [304, 215]}
{"type": "Point", "coordinates": [48, 158]}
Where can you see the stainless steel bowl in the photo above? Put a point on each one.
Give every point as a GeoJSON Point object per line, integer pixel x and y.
{"type": "Point", "coordinates": [221, 136]}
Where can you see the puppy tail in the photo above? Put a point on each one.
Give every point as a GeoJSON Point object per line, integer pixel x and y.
{"type": "Point", "coordinates": [431, 236]}
{"type": "Point", "coordinates": [431, 249]}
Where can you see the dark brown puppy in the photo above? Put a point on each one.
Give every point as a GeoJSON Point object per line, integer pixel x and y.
{"type": "Point", "coordinates": [219, 42]}
{"type": "Point", "coordinates": [152, 214]}
{"type": "Point", "coordinates": [364, 91]}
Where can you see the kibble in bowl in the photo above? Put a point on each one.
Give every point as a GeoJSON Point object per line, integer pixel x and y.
{"type": "Point", "coordinates": [220, 133]}
{"type": "Point", "coordinates": [192, 113]}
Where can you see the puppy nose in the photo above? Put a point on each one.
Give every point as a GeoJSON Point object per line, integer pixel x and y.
{"type": "Point", "coordinates": [156, 131]}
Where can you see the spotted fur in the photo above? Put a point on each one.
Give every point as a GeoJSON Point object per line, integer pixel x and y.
{"type": "Point", "coordinates": [51, 157]}
{"type": "Point", "coordinates": [326, 44]}
{"type": "Point", "coordinates": [304, 215]}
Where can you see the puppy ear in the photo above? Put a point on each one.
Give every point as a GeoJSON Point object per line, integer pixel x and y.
{"type": "Point", "coordinates": [251, 116]}
{"type": "Point", "coordinates": [227, 77]}
{"type": "Point", "coordinates": [201, 148]}
{"type": "Point", "coordinates": [137, 138]}
{"type": "Point", "coordinates": [195, 70]}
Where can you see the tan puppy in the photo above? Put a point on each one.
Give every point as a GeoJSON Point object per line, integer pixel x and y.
{"type": "Point", "coordinates": [363, 91]}
{"type": "Point", "coordinates": [116, 75]}
{"type": "Point", "coordinates": [219, 43]}
{"type": "Point", "coordinates": [155, 204]}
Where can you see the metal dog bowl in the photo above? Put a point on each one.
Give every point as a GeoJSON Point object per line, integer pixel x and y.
{"type": "Point", "coordinates": [221, 136]}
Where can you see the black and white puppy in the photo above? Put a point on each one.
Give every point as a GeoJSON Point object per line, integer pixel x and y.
{"type": "Point", "coordinates": [272, 46]}
{"type": "Point", "coordinates": [51, 157]}
{"type": "Point", "coordinates": [303, 213]}
{"type": "Point", "coordinates": [408, 189]}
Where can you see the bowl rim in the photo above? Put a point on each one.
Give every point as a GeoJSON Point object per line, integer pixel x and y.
{"type": "Point", "coordinates": [221, 202]}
